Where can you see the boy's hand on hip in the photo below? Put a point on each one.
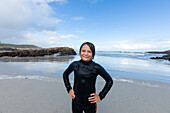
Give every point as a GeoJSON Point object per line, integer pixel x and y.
{"type": "Point", "coordinates": [71, 93]}
{"type": "Point", "coordinates": [94, 98]}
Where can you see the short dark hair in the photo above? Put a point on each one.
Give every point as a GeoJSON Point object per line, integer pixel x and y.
{"type": "Point", "coordinates": [91, 46]}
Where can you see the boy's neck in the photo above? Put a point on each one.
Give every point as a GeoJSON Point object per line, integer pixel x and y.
{"type": "Point", "coordinates": [86, 63]}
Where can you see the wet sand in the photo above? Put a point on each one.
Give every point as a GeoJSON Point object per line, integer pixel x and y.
{"type": "Point", "coordinates": [36, 96]}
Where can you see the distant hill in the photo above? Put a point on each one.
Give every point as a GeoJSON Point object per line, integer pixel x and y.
{"type": "Point", "coordinates": [4, 46]}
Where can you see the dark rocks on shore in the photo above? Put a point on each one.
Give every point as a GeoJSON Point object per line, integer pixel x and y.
{"type": "Point", "coordinates": [62, 51]}
{"type": "Point", "coordinates": [164, 57]}
{"type": "Point", "coordinates": [160, 52]}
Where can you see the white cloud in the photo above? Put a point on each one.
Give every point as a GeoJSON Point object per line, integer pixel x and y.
{"type": "Point", "coordinates": [94, 1]}
{"type": "Point", "coordinates": [47, 1]}
{"type": "Point", "coordinates": [20, 16]}
{"type": "Point", "coordinates": [47, 38]}
{"type": "Point", "coordinates": [79, 31]}
{"type": "Point", "coordinates": [134, 45]}
{"type": "Point", "coordinates": [77, 18]}
{"type": "Point", "coordinates": [168, 42]}
{"type": "Point", "coordinates": [130, 45]}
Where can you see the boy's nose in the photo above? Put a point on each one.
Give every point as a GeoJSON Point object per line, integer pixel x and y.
{"type": "Point", "coordinates": [86, 52]}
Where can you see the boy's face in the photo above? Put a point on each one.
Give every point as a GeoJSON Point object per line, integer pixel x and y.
{"type": "Point", "coordinates": [86, 53]}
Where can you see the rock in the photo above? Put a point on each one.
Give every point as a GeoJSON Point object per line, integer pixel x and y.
{"type": "Point", "coordinates": [164, 57]}
{"type": "Point", "coordinates": [156, 57]}
{"type": "Point", "coordinates": [40, 52]}
{"type": "Point", "coordinates": [168, 51]}
{"type": "Point", "coordinates": [159, 52]}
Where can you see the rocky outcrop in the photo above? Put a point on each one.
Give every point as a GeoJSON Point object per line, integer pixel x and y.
{"type": "Point", "coordinates": [160, 52]}
{"type": "Point", "coordinates": [40, 52]}
{"type": "Point", "coordinates": [164, 57]}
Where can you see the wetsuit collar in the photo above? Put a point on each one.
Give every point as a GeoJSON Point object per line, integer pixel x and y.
{"type": "Point", "coordinates": [86, 63]}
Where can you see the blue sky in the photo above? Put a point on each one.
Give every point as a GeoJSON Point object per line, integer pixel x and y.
{"type": "Point", "coordinates": [114, 25]}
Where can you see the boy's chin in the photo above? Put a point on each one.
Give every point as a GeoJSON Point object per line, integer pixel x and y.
{"type": "Point", "coordinates": [86, 60]}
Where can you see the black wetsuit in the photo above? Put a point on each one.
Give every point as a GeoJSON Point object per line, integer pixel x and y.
{"type": "Point", "coordinates": [85, 74]}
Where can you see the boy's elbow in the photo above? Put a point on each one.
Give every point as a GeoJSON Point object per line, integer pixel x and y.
{"type": "Point", "coordinates": [111, 82]}
{"type": "Point", "coordinates": [65, 76]}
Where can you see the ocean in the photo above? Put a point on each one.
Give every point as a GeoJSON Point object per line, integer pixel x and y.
{"type": "Point", "coordinates": [121, 65]}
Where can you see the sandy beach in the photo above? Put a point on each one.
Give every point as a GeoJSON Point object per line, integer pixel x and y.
{"type": "Point", "coordinates": [36, 96]}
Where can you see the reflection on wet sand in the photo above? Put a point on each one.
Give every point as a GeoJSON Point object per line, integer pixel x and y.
{"type": "Point", "coordinates": [38, 59]}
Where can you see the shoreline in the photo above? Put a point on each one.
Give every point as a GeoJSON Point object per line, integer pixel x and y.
{"type": "Point", "coordinates": [37, 96]}
{"type": "Point", "coordinates": [59, 78]}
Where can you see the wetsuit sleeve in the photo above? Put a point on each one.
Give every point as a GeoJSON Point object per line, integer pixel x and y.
{"type": "Point", "coordinates": [109, 82]}
{"type": "Point", "coordinates": [66, 77]}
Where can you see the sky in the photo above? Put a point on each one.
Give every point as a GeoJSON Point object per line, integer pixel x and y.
{"type": "Point", "coordinates": [111, 25]}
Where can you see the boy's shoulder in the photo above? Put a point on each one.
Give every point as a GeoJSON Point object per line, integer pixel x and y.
{"type": "Point", "coordinates": [96, 65]}
{"type": "Point", "coordinates": [74, 62]}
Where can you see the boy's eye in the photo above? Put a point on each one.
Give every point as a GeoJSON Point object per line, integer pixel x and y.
{"type": "Point", "coordinates": [86, 51]}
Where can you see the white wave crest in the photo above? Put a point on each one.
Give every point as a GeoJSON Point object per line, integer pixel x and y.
{"type": "Point", "coordinates": [148, 84]}
{"type": "Point", "coordinates": [36, 77]}
{"type": "Point", "coordinates": [125, 80]}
